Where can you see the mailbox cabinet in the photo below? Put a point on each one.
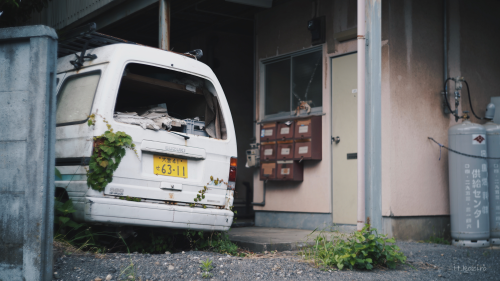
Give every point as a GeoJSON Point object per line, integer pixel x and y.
{"type": "Point", "coordinates": [268, 151]}
{"type": "Point", "coordinates": [268, 131]}
{"type": "Point", "coordinates": [268, 171]}
{"type": "Point", "coordinates": [289, 170]}
{"type": "Point", "coordinates": [285, 150]}
{"type": "Point", "coordinates": [285, 130]}
{"type": "Point", "coordinates": [284, 144]}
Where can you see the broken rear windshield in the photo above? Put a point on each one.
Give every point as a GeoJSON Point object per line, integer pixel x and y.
{"type": "Point", "coordinates": [161, 99]}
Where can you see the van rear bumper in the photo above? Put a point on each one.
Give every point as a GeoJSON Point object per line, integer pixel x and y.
{"type": "Point", "coordinates": [122, 212]}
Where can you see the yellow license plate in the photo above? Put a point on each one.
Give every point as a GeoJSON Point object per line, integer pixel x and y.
{"type": "Point", "coordinates": [170, 166]}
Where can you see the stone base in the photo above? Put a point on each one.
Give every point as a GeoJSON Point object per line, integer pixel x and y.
{"type": "Point", "coordinates": [417, 228]}
{"type": "Point", "coordinates": [311, 221]}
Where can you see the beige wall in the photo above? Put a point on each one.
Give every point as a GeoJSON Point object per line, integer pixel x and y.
{"type": "Point", "coordinates": [414, 181]}
{"type": "Point", "coordinates": [281, 30]}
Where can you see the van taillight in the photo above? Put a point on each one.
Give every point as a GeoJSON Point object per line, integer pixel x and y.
{"type": "Point", "coordinates": [232, 173]}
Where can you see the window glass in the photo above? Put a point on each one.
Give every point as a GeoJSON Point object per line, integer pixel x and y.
{"type": "Point", "coordinates": [277, 87]}
{"type": "Point", "coordinates": [306, 77]}
{"type": "Point", "coordinates": [74, 101]}
{"type": "Point", "coordinates": [292, 81]}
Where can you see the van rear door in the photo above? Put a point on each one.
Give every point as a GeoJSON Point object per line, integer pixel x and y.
{"type": "Point", "coordinates": [183, 144]}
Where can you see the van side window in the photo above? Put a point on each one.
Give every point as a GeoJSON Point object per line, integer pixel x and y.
{"type": "Point", "coordinates": [161, 99]}
{"type": "Point", "coordinates": [75, 98]}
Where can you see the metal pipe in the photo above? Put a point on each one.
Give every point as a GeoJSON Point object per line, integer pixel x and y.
{"type": "Point", "coordinates": [164, 25]}
{"type": "Point", "coordinates": [361, 113]}
{"type": "Point", "coordinates": [445, 43]}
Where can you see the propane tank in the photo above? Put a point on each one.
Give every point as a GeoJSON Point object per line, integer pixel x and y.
{"type": "Point", "coordinates": [493, 144]}
{"type": "Point", "coordinates": [469, 204]}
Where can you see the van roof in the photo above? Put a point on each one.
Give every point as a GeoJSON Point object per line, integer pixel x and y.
{"type": "Point", "coordinates": [124, 51]}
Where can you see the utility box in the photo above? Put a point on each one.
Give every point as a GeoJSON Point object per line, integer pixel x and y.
{"type": "Point", "coordinates": [253, 155]}
{"type": "Point", "coordinates": [268, 132]}
{"type": "Point", "coordinates": [268, 171]}
{"type": "Point", "coordinates": [28, 57]}
{"type": "Point", "coordinates": [289, 170]}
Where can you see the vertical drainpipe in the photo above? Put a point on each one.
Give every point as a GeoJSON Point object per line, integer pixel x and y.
{"type": "Point", "coordinates": [445, 44]}
{"type": "Point", "coordinates": [164, 25]}
{"type": "Point", "coordinates": [361, 114]}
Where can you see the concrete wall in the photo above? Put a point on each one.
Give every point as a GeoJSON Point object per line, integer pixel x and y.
{"type": "Point", "coordinates": [414, 180]}
{"type": "Point", "coordinates": [27, 141]}
{"type": "Point", "coordinates": [282, 30]}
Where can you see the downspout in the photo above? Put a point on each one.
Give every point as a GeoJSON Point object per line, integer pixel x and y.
{"type": "Point", "coordinates": [445, 44]}
{"type": "Point", "coordinates": [361, 113]}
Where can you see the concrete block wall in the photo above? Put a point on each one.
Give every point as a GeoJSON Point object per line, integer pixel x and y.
{"type": "Point", "coordinates": [27, 137]}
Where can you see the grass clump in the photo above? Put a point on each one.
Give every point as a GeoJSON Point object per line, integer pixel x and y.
{"type": "Point", "coordinates": [212, 241]}
{"type": "Point", "coordinates": [206, 266]}
{"type": "Point", "coordinates": [362, 250]}
{"type": "Point", "coordinates": [437, 240]}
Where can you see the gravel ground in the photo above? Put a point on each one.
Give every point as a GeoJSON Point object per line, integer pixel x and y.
{"type": "Point", "coordinates": [428, 262]}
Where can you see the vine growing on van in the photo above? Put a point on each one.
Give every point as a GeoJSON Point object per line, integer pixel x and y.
{"type": "Point", "coordinates": [107, 153]}
{"type": "Point", "coordinates": [201, 194]}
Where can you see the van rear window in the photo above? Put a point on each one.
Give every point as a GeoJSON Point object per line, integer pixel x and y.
{"type": "Point", "coordinates": [75, 98]}
{"type": "Point", "coordinates": [161, 99]}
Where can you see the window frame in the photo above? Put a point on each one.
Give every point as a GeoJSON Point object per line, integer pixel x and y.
{"type": "Point", "coordinates": [318, 110]}
{"type": "Point", "coordinates": [65, 80]}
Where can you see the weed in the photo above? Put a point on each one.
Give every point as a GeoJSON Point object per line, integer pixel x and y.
{"type": "Point", "coordinates": [215, 241]}
{"type": "Point", "coordinates": [437, 240]}
{"type": "Point", "coordinates": [206, 266]}
{"type": "Point", "coordinates": [361, 250]}
{"type": "Point", "coordinates": [130, 269]}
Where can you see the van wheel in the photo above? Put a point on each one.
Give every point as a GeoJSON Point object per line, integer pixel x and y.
{"type": "Point", "coordinates": [61, 194]}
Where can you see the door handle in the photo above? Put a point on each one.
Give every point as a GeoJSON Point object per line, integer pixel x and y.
{"type": "Point", "coordinates": [336, 139]}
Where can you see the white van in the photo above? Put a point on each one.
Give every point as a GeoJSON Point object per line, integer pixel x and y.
{"type": "Point", "coordinates": [194, 141]}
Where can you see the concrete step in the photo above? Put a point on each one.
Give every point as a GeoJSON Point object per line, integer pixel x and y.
{"type": "Point", "coordinates": [260, 239]}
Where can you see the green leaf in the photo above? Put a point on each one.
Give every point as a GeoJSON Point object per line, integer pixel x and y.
{"type": "Point", "coordinates": [58, 174]}
{"type": "Point", "coordinates": [63, 219]}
